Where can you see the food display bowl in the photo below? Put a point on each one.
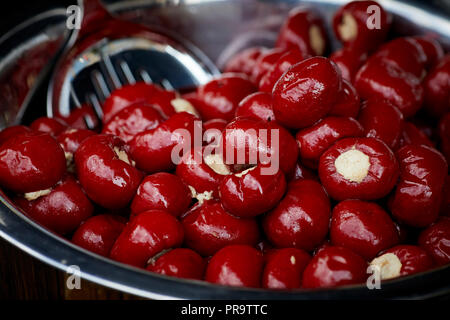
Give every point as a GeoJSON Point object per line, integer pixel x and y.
{"type": "Point", "coordinates": [220, 28]}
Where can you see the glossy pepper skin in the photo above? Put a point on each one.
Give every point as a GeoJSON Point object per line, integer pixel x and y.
{"type": "Point", "coordinates": [265, 62]}
{"type": "Point", "coordinates": [444, 135]}
{"type": "Point", "coordinates": [199, 173]}
{"type": "Point", "coordinates": [437, 88]}
{"type": "Point", "coordinates": [417, 198]}
{"type": "Point", "coordinates": [363, 227]}
{"type": "Point", "coordinates": [382, 120]}
{"type": "Point", "coordinates": [393, 52]}
{"type": "Point", "coordinates": [162, 191]}
{"type": "Point", "coordinates": [131, 120]}
{"type": "Point", "coordinates": [208, 228]}
{"type": "Point", "coordinates": [220, 97]}
{"type": "Point", "coordinates": [413, 259]}
{"type": "Point", "coordinates": [284, 268]}
{"type": "Point", "coordinates": [140, 92]}
{"type": "Point", "coordinates": [303, 30]}
{"type": "Point", "coordinates": [180, 263]}
{"type": "Point", "coordinates": [306, 93]}
{"type": "Point", "coordinates": [334, 266]}
{"type": "Point", "coordinates": [315, 140]}
{"type": "Point", "coordinates": [257, 106]}
{"type": "Point", "coordinates": [350, 25]}
{"type": "Point", "coordinates": [71, 139]}
{"type": "Point", "coordinates": [31, 162]}
{"type": "Point", "coordinates": [98, 234]}
{"type": "Point", "coordinates": [349, 60]}
{"type": "Point", "coordinates": [244, 61]}
{"type": "Point", "coordinates": [236, 265]}
{"type": "Point", "coordinates": [412, 135]}
{"type": "Point", "coordinates": [348, 102]}
{"type": "Point", "coordinates": [383, 80]}
{"type": "Point", "coordinates": [106, 172]}
{"type": "Point", "coordinates": [11, 132]}
{"type": "Point", "coordinates": [301, 219]}
{"type": "Point", "coordinates": [152, 149]}
{"type": "Point", "coordinates": [145, 236]}
{"type": "Point", "coordinates": [62, 210]}
{"type": "Point", "coordinates": [48, 125]}
{"type": "Point", "coordinates": [435, 240]}
{"type": "Point", "coordinates": [432, 49]}
{"type": "Point", "coordinates": [252, 192]}
{"type": "Point", "coordinates": [283, 64]}
{"type": "Point", "coordinates": [246, 137]}
{"type": "Point", "coordinates": [358, 168]}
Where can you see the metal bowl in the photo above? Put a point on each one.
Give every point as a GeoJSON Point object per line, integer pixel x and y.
{"type": "Point", "coordinates": [220, 28]}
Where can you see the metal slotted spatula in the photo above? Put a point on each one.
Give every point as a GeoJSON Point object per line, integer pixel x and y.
{"type": "Point", "coordinates": [108, 53]}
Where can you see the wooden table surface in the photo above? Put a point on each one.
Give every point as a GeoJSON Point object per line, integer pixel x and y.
{"type": "Point", "coordinates": [26, 278]}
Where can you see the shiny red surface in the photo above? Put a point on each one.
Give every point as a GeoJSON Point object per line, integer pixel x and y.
{"type": "Point", "coordinates": [107, 180]}
{"type": "Point", "coordinates": [62, 210]}
{"type": "Point", "coordinates": [412, 135]}
{"type": "Point", "coordinates": [138, 93]}
{"type": "Point", "coordinates": [301, 219]}
{"type": "Point", "coordinates": [413, 258]}
{"type": "Point", "coordinates": [365, 39]}
{"type": "Point", "coordinates": [198, 174]}
{"type": "Point", "coordinates": [436, 241]}
{"type": "Point", "coordinates": [98, 233]}
{"type": "Point", "coordinates": [11, 132]}
{"type": "Point", "coordinates": [334, 266]}
{"type": "Point", "coordinates": [295, 32]}
{"type": "Point", "coordinates": [244, 137]}
{"type": "Point", "coordinates": [306, 93]}
{"type": "Point", "coordinates": [382, 120]}
{"type": "Point", "coordinates": [148, 234]}
{"type": "Point", "coordinates": [315, 140]}
{"type": "Point", "coordinates": [348, 102]}
{"type": "Point", "coordinates": [393, 52]}
{"type": "Point", "coordinates": [48, 125]}
{"type": "Point", "coordinates": [31, 161]}
{"type": "Point", "coordinates": [417, 197]}
{"type": "Point", "coordinates": [257, 106]}
{"type": "Point", "coordinates": [152, 149]}
{"type": "Point", "coordinates": [219, 98]}
{"type": "Point", "coordinates": [180, 263]}
{"type": "Point", "coordinates": [432, 49]}
{"type": "Point", "coordinates": [265, 62]}
{"type": "Point", "coordinates": [437, 88]}
{"type": "Point", "coordinates": [208, 228]}
{"type": "Point", "coordinates": [132, 120]}
{"type": "Point", "coordinates": [284, 268]}
{"type": "Point", "coordinates": [363, 227]}
{"type": "Point", "coordinates": [244, 61]}
{"type": "Point", "coordinates": [236, 265]}
{"type": "Point", "coordinates": [382, 80]}
{"type": "Point", "coordinates": [283, 64]}
{"type": "Point", "coordinates": [349, 60]}
{"type": "Point", "coordinates": [71, 139]}
{"type": "Point", "coordinates": [253, 193]}
{"type": "Point", "coordinates": [162, 191]}
{"type": "Point", "coordinates": [381, 178]}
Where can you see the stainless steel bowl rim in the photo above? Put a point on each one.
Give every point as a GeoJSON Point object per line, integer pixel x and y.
{"type": "Point", "coordinates": [58, 252]}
